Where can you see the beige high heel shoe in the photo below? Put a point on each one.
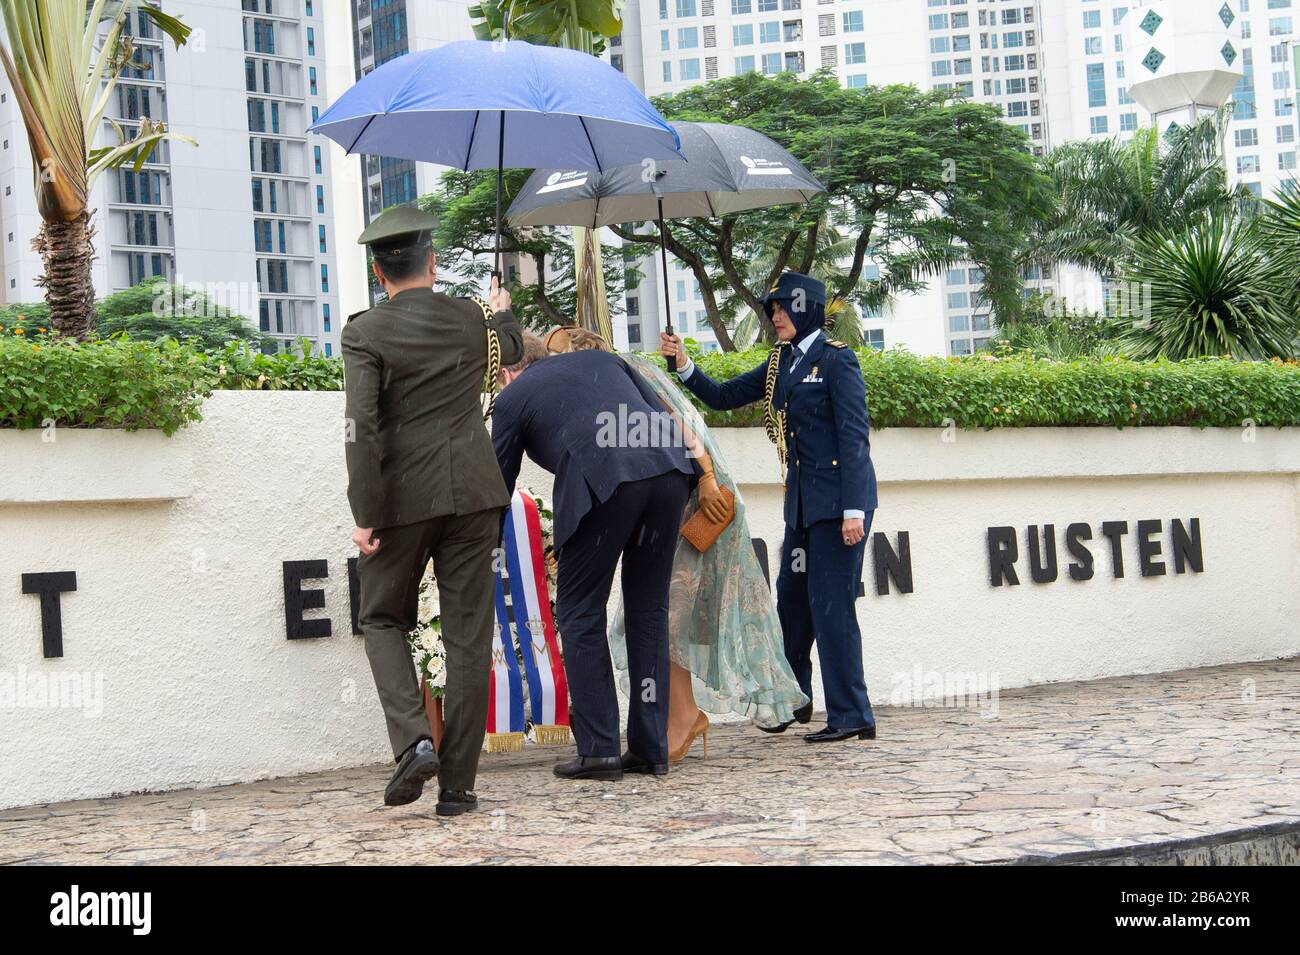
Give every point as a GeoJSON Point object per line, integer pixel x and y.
{"type": "Point", "coordinates": [699, 728]}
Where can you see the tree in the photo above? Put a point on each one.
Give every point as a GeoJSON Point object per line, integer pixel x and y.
{"type": "Point", "coordinates": [1214, 289]}
{"type": "Point", "coordinates": [157, 309]}
{"type": "Point", "coordinates": [1280, 233]}
{"type": "Point", "coordinates": [1112, 192]}
{"type": "Point", "coordinates": [63, 75]}
{"type": "Point", "coordinates": [465, 205]}
{"type": "Point", "coordinates": [916, 181]}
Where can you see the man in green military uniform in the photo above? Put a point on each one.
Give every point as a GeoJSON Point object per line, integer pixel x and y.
{"type": "Point", "coordinates": [423, 482]}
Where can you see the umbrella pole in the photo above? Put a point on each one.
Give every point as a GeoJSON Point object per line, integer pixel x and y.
{"type": "Point", "coordinates": [663, 267]}
{"type": "Point", "coordinates": [501, 156]}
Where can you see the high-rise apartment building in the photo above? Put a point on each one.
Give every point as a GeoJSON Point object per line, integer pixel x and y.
{"type": "Point", "coordinates": [1055, 68]}
{"type": "Point", "coordinates": [249, 214]}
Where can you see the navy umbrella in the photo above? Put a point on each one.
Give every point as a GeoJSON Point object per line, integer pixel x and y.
{"type": "Point", "coordinates": [480, 104]}
{"type": "Point", "coordinates": [726, 169]}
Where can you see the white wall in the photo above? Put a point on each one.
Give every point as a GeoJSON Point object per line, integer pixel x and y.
{"type": "Point", "coordinates": [179, 607]}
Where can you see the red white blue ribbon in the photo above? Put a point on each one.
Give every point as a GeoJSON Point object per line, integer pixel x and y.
{"type": "Point", "coordinates": [526, 629]}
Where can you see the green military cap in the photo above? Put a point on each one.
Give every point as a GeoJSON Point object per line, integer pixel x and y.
{"type": "Point", "coordinates": [398, 225]}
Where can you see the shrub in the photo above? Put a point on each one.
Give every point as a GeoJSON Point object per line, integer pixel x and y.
{"type": "Point", "coordinates": [128, 384]}
{"type": "Point", "coordinates": [986, 391]}
{"type": "Point", "coordinates": [121, 383]}
{"type": "Point", "coordinates": [100, 384]}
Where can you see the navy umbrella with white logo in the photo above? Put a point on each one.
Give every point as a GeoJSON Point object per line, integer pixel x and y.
{"type": "Point", "coordinates": [727, 169]}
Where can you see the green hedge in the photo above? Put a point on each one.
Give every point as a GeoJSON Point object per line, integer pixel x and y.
{"type": "Point", "coordinates": [1018, 391]}
{"type": "Point", "coordinates": [119, 383]}
{"type": "Point", "coordinates": [129, 384]}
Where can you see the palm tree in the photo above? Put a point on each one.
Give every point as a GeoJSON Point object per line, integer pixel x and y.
{"type": "Point", "coordinates": [1112, 192]}
{"type": "Point", "coordinates": [1212, 289]}
{"type": "Point", "coordinates": [63, 72]}
{"type": "Point", "coordinates": [580, 25]}
{"type": "Point", "coordinates": [1280, 229]}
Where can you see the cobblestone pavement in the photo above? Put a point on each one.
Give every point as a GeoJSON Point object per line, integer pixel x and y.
{"type": "Point", "coordinates": [1059, 770]}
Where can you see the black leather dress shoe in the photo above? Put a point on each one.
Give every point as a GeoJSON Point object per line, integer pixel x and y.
{"type": "Point", "coordinates": [632, 763]}
{"type": "Point", "coordinates": [417, 766]}
{"type": "Point", "coordinates": [455, 802]}
{"type": "Point", "coordinates": [801, 715]}
{"type": "Point", "coordinates": [832, 735]}
{"type": "Point", "coordinates": [591, 767]}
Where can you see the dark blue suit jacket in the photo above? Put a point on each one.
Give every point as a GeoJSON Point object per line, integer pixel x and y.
{"type": "Point", "coordinates": [829, 469]}
{"type": "Point", "coordinates": [575, 415]}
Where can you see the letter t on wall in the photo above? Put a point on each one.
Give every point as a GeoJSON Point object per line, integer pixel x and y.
{"type": "Point", "coordinates": [49, 586]}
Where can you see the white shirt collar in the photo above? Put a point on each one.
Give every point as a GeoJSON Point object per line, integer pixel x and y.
{"type": "Point", "coordinates": [807, 342]}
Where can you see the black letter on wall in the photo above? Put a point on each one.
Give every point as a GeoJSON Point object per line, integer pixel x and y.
{"type": "Point", "coordinates": [1187, 547]}
{"type": "Point", "coordinates": [297, 600]}
{"type": "Point", "coordinates": [49, 586]}
{"type": "Point", "coordinates": [354, 595]}
{"type": "Point", "coordinates": [1003, 552]}
{"type": "Point", "coordinates": [1043, 572]}
{"type": "Point", "coordinates": [1149, 550]}
{"type": "Point", "coordinates": [1114, 530]}
{"type": "Point", "coordinates": [890, 564]}
{"type": "Point", "coordinates": [1075, 535]}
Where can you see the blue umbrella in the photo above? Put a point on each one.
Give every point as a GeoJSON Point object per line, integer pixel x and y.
{"type": "Point", "coordinates": [479, 104]}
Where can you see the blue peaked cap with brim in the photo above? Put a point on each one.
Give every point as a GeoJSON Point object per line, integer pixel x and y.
{"type": "Point", "coordinates": [787, 289]}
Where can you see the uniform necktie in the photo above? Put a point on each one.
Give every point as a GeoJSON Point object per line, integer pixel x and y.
{"type": "Point", "coordinates": [795, 354]}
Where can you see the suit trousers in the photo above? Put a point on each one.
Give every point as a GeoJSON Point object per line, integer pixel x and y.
{"type": "Point", "coordinates": [639, 522]}
{"type": "Point", "coordinates": [461, 547]}
{"type": "Point", "coordinates": [816, 590]}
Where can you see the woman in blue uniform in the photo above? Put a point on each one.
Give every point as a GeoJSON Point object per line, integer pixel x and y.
{"type": "Point", "coordinates": [817, 415]}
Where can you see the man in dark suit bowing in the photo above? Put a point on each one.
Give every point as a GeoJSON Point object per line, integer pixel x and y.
{"type": "Point", "coordinates": [586, 417]}
{"type": "Point", "coordinates": [818, 418]}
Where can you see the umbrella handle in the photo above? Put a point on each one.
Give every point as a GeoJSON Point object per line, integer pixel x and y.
{"type": "Point", "coordinates": [663, 268]}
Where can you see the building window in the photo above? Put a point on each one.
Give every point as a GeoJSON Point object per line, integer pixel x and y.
{"type": "Point", "coordinates": [320, 199]}
{"type": "Point", "coordinates": [324, 278]}
{"type": "Point", "coordinates": [690, 69]}
{"type": "Point", "coordinates": [311, 79]}
{"type": "Point", "coordinates": [853, 21]}
{"type": "Point", "coordinates": [1098, 125]}
{"type": "Point", "coordinates": [1096, 75]}
{"type": "Point", "coordinates": [742, 34]}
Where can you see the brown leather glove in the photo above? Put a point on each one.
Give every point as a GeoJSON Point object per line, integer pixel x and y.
{"type": "Point", "coordinates": [712, 501]}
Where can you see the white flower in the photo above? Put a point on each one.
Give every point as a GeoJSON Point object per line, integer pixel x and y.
{"type": "Point", "coordinates": [426, 641]}
{"type": "Point", "coordinates": [437, 671]}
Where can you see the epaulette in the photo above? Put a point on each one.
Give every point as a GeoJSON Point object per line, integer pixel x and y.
{"type": "Point", "coordinates": [835, 343]}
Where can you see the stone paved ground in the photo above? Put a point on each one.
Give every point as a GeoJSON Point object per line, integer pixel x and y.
{"type": "Point", "coordinates": [1060, 770]}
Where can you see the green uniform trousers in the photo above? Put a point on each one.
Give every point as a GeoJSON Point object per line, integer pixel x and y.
{"type": "Point", "coordinates": [461, 547]}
